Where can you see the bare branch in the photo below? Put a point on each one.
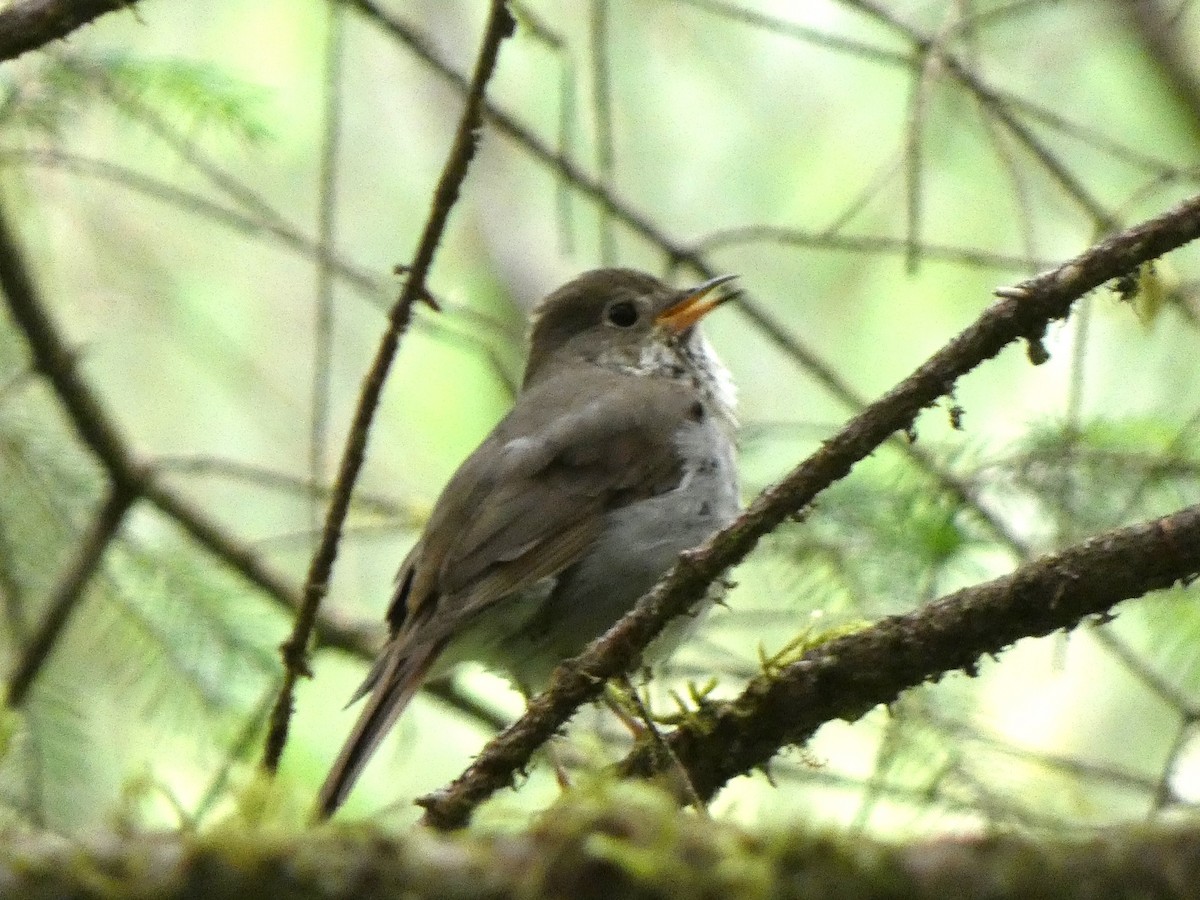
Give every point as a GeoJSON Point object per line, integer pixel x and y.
{"type": "Point", "coordinates": [68, 593]}
{"type": "Point", "coordinates": [602, 118]}
{"type": "Point", "coordinates": [53, 359]}
{"type": "Point", "coordinates": [865, 244]}
{"type": "Point", "coordinates": [323, 320]}
{"type": "Point", "coordinates": [29, 24]}
{"type": "Point", "coordinates": [998, 104]}
{"type": "Point", "coordinates": [1172, 47]}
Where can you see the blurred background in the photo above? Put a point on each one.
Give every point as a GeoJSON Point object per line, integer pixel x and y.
{"type": "Point", "coordinates": [213, 198]}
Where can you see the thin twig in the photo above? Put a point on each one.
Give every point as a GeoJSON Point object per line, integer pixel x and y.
{"type": "Point", "coordinates": [898, 59]}
{"type": "Point", "coordinates": [999, 106]}
{"type": "Point", "coordinates": [249, 225]}
{"type": "Point", "coordinates": [965, 733]}
{"type": "Point", "coordinates": [602, 118]}
{"type": "Point", "coordinates": [365, 282]}
{"type": "Point", "coordinates": [500, 25]}
{"type": "Point", "coordinates": [1165, 792]}
{"type": "Point", "coordinates": [1172, 48]}
{"type": "Point", "coordinates": [253, 475]}
{"type": "Point", "coordinates": [69, 592]}
{"type": "Point", "coordinates": [813, 37]}
{"type": "Point", "coordinates": [655, 737]}
{"type": "Point", "coordinates": [923, 80]}
{"type": "Point", "coordinates": [828, 239]}
{"type": "Point", "coordinates": [1023, 311]}
{"type": "Point", "coordinates": [318, 435]}
{"type": "Point", "coordinates": [1023, 208]}
{"type": "Point", "coordinates": [1173, 695]}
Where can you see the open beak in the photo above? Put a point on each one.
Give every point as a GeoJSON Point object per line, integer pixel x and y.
{"type": "Point", "coordinates": [697, 302]}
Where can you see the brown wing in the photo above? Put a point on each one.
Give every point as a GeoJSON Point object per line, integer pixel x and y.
{"type": "Point", "coordinates": [524, 506]}
{"type": "Point", "coordinates": [530, 500]}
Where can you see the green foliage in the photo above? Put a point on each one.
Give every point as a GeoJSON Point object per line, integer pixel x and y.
{"type": "Point", "coordinates": [163, 648]}
{"type": "Point", "coordinates": [1107, 469]}
{"type": "Point", "coordinates": [637, 830]}
{"type": "Point", "coordinates": [49, 95]}
{"type": "Point", "coordinates": [206, 96]}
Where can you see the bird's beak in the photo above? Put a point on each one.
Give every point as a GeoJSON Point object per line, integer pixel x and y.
{"type": "Point", "coordinates": [695, 304]}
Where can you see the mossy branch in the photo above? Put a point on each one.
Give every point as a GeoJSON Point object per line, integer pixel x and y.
{"type": "Point", "coordinates": [623, 842]}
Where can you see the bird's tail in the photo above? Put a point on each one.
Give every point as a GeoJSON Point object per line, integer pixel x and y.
{"type": "Point", "coordinates": [392, 685]}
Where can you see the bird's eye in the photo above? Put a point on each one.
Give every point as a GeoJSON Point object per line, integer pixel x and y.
{"type": "Point", "coordinates": [623, 314]}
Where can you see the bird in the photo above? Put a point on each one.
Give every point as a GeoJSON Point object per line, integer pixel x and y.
{"type": "Point", "coordinates": [617, 455]}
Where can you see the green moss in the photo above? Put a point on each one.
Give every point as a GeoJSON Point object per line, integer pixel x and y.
{"type": "Point", "coordinates": [633, 835]}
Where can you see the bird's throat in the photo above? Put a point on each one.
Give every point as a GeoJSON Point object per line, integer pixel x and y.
{"type": "Point", "coordinates": [690, 358]}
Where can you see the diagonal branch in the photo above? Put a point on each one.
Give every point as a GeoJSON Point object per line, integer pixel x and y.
{"type": "Point", "coordinates": [1023, 311]}
{"type": "Point", "coordinates": [29, 24]}
{"type": "Point", "coordinates": [53, 359]}
{"type": "Point", "coordinates": [1171, 46]}
{"type": "Point", "coordinates": [500, 24]}
{"type": "Point", "coordinates": [849, 676]}
{"type": "Point", "coordinates": [68, 593]}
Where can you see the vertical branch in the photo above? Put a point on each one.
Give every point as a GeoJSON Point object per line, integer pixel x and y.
{"type": "Point", "coordinates": [924, 73]}
{"type": "Point", "coordinates": [602, 109]}
{"type": "Point", "coordinates": [326, 216]}
{"type": "Point", "coordinates": [533, 27]}
{"type": "Point", "coordinates": [500, 25]}
{"type": "Point", "coordinates": [926, 69]}
{"type": "Point", "coordinates": [1072, 429]}
{"type": "Point", "coordinates": [1022, 201]}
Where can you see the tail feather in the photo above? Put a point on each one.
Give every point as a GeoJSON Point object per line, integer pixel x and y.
{"type": "Point", "coordinates": [394, 681]}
